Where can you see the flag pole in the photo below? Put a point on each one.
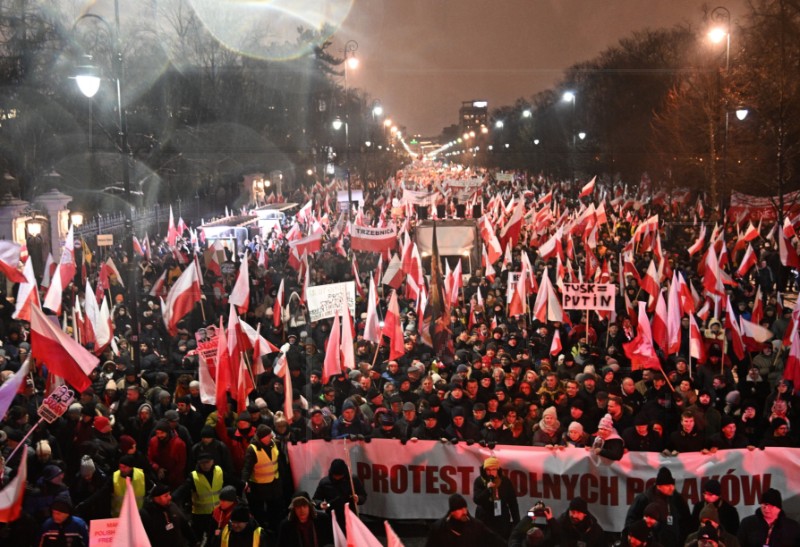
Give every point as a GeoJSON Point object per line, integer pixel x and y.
{"type": "Point", "coordinates": [25, 438]}
{"type": "Point", "coordinates": [350, 476]}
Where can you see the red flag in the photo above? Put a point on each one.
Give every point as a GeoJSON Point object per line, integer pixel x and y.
{"type": "Point", "coordinates": [358, 535]}
{"type": "Point", "coordinates": [182, 297]}
{"type": "Point", "coordinates": [11, 496]}
{"type": "Point", "coordinates": [753, 335]}
{"type": "Point", "coordinates": [392, 328]}
{"type": "Point", "coordinates": [240, 295]}
{"type": "Point", "coordinates": [9, 259]}
{"type": "Point", "coordinates": [758, 307]}
{"type": "Point", "coordinates": [712, 280]}
{"type": "Point", "coordinates": [333, 357]}
{"type": "Point", "coordinates": [511, 230]}
{"type": "Point", "coordinates": [588, 188]}
{"type": "Point", "coordinates": [392, 539]}
{"type": "Point", "coordinates": [673, 317]}
{"type": "Point", "coordinates": [61, 354]}
{"type": "Point", "coordinates": [172, 231]}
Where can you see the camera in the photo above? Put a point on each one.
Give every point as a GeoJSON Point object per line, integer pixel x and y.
{"type": "Point", "coordinates": [537, 512]}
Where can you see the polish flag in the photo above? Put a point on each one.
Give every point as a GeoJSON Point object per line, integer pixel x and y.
{"type": "Point", "coordinates": [732, 324]}
{"type": "Point", "coordinates": [65, 272]}
{"type": "Point", "coordinates": [489, 271]}
{"type": "Point", "coordinates": [490, 239]}
{"type": "Point", "coordinates": [748, 261]}
{"type": "Point", "coordinates": [792, 369]}
{"type": "Point", "coordinates": [752, 232]}
{"type": "Point", "coordinates": [240, 295]}
{"type": "Point", "coordinates": [27, 295]}
{"type": "Point", "coordinates": [697, 347]}
{"type": "Point", "coordinates": [787, 252]}
{"type": "Point", "coordinates": [392, 539]}
{"type": "Point", "coordinates": [9, 388]}
{"type": "Point", "coordinates": [130, 530]}
{"type": "Point", "coordinates": [511, 230]}
{"type": "Point", "coordinates": [640, 350]}
{"type": "Point", "coordinates": [159, 287]}
{"type": "Point", "coordinates": [211, 257]}
{"type": "Point", "coordinates": [339, 539]}
{"type": "Point", "coordinates": [393, 329]}
{"type": "Point", "coordinates": [673, 317]}
{"type": "Point", "coordinates": [11, 496]}
{"type": "Point", "coordinates": [348, 353]}
{"type": "Point", "coordinates": [753, 334]}
{"type": "Point", "coordinates": [506, 259]}
{"type": "Point", "coordinates": [517, 304]}
{"type": "Point", "coordinates": [357, 532]}
{"type": "Point", "coordinates": [659, 326]}
{"type": "Point", "coordinates": [223, 373]}
{"type": "Point", "coordinates": [9, 259]}
{"type": "Point", "coordinates": [792, 327]}
{"type": "Point", "coordinates": [650, 283]}
{"type": "Point", "coordinates": [172, 231]}
{"type": "Point", "coordinates": [332, 365]}
{"type": "Point", "coordinates": [49, 270]}
{"type": "Point", "coordinates": [697, 246]}
{"type": "Point", "coordinates": [277, 307]}
{"type": "Point", "coordinates": [588, 188]}
{"type": "Point", "coordinates": [712, 280]}
{"type": "Point", "coordinates": [63, 356]}
{"type": "Point", "coordinates": [181, 299]}
{"type": "Point", "coordinates": [372, 327]}
{"type": "Point", "coordinates": [552, 246]}
{"type": "Point", "coordinates": [261, 346]}
{"type": "Point", "coordinates": [555, 345]}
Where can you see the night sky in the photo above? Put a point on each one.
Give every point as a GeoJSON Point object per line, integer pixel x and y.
{"type": "Point", "coordinates": [421, 58]}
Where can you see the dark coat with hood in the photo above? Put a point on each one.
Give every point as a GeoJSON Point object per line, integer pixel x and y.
{"type": "Point", "coordinates": [483, 498]}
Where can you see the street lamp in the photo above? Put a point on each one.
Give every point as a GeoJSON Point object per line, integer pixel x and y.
{"type": "Point", "coordinates": [89, 83]}
{"type": "Point", "coordinates": [720, 18]}
{"type": "Point", "coordinates": [570, 97]}
{"type": "Point", "coordinates": [350, 62]}
{"type": "Point", "coordinates": [741, 114]}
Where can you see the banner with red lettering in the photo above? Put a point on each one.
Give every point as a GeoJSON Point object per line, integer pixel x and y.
{"type": "Point", "coordinates": [754, 208]}
{"type": "Point", "coordinates": [413, 481]}
{"type": "Point", "coordinates": [376, 240]}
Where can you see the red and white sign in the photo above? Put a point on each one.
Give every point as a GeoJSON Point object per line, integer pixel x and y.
{"type": "Point", "coordinates": [754, 208]}
{"type": "Point", "coordinates": [102, 532]}
{"type": "Point", "coordinates": [415, 480]}
{"type": "Point", "coordinates": [376, 240]}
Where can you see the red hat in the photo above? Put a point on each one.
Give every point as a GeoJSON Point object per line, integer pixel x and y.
{"type": "Point", "coordinates": [102, 424]}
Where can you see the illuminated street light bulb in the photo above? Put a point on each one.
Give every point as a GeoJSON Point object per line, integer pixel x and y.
{"type": "Point", "coordinates": [499, 124]}
{"type": "Point", "coordinates": [76, 218]}
{"type": "Point", "coordinates": [309, 172]}
{"type": "Point", "coordinates": [526, 113]}
{"type": "Point", "coordinates": [465, 136]}
{"type": "Point", "coordinates": [717, 34]}
{"type": "Point", "coordinates": [352, 63]}
{"type": "Point", "coordinates": [742, 113]}
{"type": "Point", "coordinates": [337, 124]}
{"type": "Point", "coordinates": [387, 122]}
{"type": "Point", "coordinates": [536, 142]}
{"type": "Point", "coordinates": [568, 97]}
{"type": "Point", "coordinates": [368, 144]}
{"type": "Point", "coordinates": [581, 135]}
{"type": "Point", "coordinates": [377, 110]}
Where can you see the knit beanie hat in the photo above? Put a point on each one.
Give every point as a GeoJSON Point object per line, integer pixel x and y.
{"type": "Point", "coordinates": [228, 493]}
{"type": "Point", "coordinates": [576, 426]}
{"type": "Point", "coordinates": [709, 512]}
{"type": "Point", "coordinates": [87, 466]}
{"type": "Point", "coordinates": [456, 502]}
{"type": "Point", "coordinates": [664, 477]}
{"type": "Point", "coordinates": [656, 510]}
{"type": "Point", "coordinates": [712, 486]}
{"type": "Point", "coordinates": [639, 530]}
{"type": "Point", "coordinates": [102, 424]}
{"type": "Point", "coordinates": [491, 461]}
{"type": "Point", "coordinates": [606, 422]}
{"type": "Point", "coordinates": [240, 514]}
{"type": "Point", "coordinates": [126, 442]}
{"type": "Point", "coordinates": [43, 448]}
{"type": "Point", "coordinates": [772, 497]}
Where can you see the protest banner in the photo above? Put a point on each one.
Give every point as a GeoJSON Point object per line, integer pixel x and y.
{"type": "Point", "coordinates": [589, 296]}
{"type": "Point", "coordinates": [377, 240]}
{"type": "Point", "coordinates": [415, 482]}
{"type": "Point", "coordinates": [753, 208]}
{"type": "Point", "coordinates": [101, 532]}
{"type": "Point", "coordinates": [414, 197]}
{"type": "Point", "coordinates": [325, 301]}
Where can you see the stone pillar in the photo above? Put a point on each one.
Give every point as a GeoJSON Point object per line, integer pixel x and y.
{"type": "Point", "coordinates": [55, 203]}
{"type": "Point", "coordinates": [10, 209]}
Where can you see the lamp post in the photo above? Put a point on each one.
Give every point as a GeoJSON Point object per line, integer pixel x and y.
{"type": "Point", "coordinates": [720, 18]}
{"type": "Point", "coordinates": [570, 97]}
{"type": "Point", "coordinates": [350, 62]}
{"type": "Point", "coordinates": [89, 83]}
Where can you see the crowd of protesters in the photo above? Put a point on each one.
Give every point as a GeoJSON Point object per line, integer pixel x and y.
{"type": "Point", "coordinates": [204, 477]}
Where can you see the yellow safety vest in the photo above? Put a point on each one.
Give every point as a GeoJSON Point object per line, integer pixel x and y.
{"type": "Point", "coordinates": [137, 481]}
{"type": "Point", "coordinates": [266, 468]}
{"type": "Point", "coordinates": [206, 496]}
{"type": "Point", "coordinates": [226, 534]}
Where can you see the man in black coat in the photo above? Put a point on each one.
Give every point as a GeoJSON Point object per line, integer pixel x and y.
{"type": "Point", "coordinates": [459, 529]}
{"type": "Point", "coordinates": [335, 491]}
{"type": "Point", "coordinates": [304, 526]}
{"type": "Point", "coordinates": [164, 522]}
{"type": "Point", "coordinates": [678, 517]}
{"type": "Point", "coordinates": [579, 527]}
{"type": "Point", "coordinates": [769, 525]}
